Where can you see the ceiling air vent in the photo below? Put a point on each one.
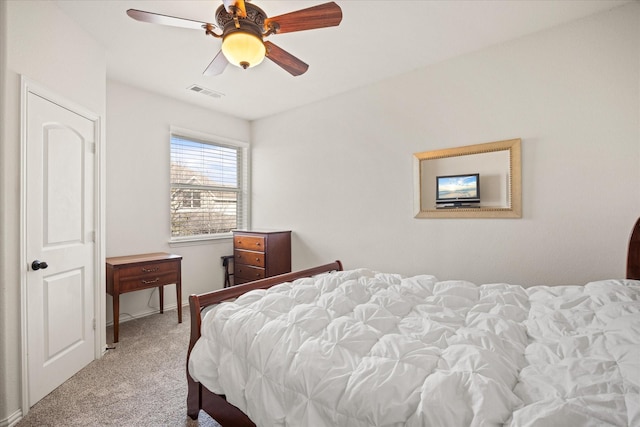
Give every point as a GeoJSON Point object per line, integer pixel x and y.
{"type": "Point", "coordinates": [205, 91]}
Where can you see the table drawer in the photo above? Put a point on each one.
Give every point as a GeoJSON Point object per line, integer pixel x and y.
{"type": "Point", "coordinates": [253, 258]}
{"type": "Point", "coordinates": [253, 243]}
{"type": "Point", "coordinates": [248, 272]}
{"type": "Point", "coordinates": [148, 281]}
{"type": "Point", "coordinates": [151, 269]}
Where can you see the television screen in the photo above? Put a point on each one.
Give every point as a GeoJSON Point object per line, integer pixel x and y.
{"type": "Point", "coordinates": [458, 188]}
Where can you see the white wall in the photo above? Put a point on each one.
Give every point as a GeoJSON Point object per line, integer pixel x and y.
{"type": "Point", "coordinates": [138, 190]}
{"type": "Point", "coordinates": [339, 173]}
{"type": "Point", "coordinates": [47, 47]}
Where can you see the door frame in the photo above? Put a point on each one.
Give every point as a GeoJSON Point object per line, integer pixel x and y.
{"type": "Point", "coordinates": [99, 303]}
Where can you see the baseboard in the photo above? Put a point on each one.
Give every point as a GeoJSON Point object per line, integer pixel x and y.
{"type": "Point", "coordinates": [12, 420]}
{"type": "Point", "coordinates": [125, 317]}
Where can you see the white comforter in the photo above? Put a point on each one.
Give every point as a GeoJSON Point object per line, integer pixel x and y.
{"type": "Point", "coordinates": [360, 348]}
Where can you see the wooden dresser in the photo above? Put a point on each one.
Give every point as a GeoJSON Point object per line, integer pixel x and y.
{"type": "Point", "coordinates": [144, 271]}
{"type": "Point", "coordinates": [260, 254]}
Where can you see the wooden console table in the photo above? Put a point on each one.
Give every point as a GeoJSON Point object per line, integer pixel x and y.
{"type": "Point", "coordinates": [144, 271]}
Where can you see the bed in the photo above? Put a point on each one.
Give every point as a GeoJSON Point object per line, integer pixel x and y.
{"type": "Point", "coordinates": [329, 347]}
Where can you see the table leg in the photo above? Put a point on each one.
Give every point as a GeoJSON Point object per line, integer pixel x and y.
{"type": "Point", "coordinates": [179, 299]}
{"type": "Point", "coordinates": [161, 294]}
{"type": "Point", "coordinates": [116, 316]}
{"type": "Point", "coordinates": [179, 292]}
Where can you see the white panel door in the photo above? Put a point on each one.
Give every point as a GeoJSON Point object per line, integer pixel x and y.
{"type": "Point", "coordinates": [59, 232]}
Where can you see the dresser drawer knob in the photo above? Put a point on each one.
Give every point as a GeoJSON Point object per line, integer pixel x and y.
{"type": "Point", "coordinates": [148, 282]}
{"type": "Point", "coordinates": [150, 270]}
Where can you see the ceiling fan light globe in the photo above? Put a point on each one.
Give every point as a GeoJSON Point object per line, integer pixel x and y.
{"type": "Point", "coordinates": [243, 49]}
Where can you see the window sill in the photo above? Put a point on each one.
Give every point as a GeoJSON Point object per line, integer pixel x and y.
{"type": "Point", "coordinates": [200, 240]}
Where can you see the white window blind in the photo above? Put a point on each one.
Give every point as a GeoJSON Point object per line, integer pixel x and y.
{"type": "Point", "coordinates": [208, 192]}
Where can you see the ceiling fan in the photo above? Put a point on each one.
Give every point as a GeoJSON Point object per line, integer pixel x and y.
{"type": "Point", "coordinates": [243, 28]}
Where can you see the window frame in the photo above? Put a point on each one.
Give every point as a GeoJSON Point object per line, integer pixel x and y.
{"type": "Point", "coordinates": [243, 182]}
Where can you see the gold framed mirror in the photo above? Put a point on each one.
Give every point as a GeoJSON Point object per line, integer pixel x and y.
{"type": "Point", "coordinates": [498, 165]}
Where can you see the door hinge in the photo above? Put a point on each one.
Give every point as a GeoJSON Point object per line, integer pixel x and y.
{"type": "Point", "coordinates": [94, 324]}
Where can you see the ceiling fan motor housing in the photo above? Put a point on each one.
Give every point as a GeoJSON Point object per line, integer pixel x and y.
{"type": "Point", "coordinates": [252, 23]}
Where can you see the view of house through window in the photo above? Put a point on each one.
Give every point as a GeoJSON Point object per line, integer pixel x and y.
{"type": "Point", "coordinates": [207, 188]}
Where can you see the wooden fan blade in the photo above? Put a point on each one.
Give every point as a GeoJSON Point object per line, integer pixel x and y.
{"type": "Point", "coordinates": [238, 4]}
{"type": "Point", "coordinates": [156, 18]}
{"type": "Point", "coordinates": [216, 66]}
{"type": "Point", "coordinates": [323, 15]}
{"type": "Point", "coordinates": [284, 59]}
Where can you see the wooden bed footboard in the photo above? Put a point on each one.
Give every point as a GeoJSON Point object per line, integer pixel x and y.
{"type": "Point", "coordinates": [198, 397]}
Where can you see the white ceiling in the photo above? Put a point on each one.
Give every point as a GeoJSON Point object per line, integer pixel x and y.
{"type": "Point", "coordinates": [376, 39]}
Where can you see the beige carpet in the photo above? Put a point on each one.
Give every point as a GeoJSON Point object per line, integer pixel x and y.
{"type": "Point", "coordinates": [139, 383]}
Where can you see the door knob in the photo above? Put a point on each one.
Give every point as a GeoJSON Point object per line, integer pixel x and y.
{"type": "Point", "coordinates": [37, 265]}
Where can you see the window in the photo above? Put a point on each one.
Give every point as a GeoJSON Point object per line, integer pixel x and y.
{"type": "Point", "coordinates": [191, 199]}
{"type": "Point", "coordinates": [208, 187]}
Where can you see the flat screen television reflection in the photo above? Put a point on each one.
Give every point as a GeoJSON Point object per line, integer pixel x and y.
{"type": "Point", "coordinates": [458, 190]}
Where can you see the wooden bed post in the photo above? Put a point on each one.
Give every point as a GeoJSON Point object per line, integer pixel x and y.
{"type": "Point", "coordinates": [633, 255]}
{"type": "Point", "coordinates": [194, 390]}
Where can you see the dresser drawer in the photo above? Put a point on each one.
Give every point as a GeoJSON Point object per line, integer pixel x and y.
{"type": "Point", "coordinates": [252, 243]}
{"type": "Point", "coordinates": [247, 273]}
{"type": "Point", "coordinates": [253, 258]}
{"type": "Point", "coordinates": [149, 280]}
{"type": "Point", "coordinates": [152, 270]}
